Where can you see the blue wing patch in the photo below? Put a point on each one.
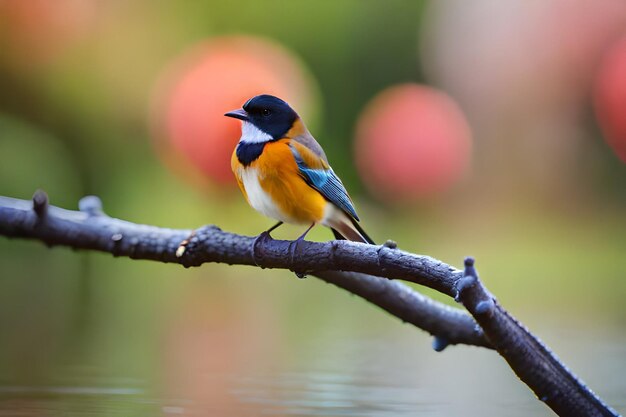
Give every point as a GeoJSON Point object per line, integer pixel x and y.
{"type": "Point", "coordinates": [327, 183]}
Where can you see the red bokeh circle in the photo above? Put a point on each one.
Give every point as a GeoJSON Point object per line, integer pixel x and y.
{"type": "Point", "coordinates": [211, 79]}
{"type": "Point", "coordinates": [610, 98]}
{"type": "Point", "coordinates": [412, 142]}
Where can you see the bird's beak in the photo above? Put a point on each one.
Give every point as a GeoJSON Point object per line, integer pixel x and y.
{"type": "Point", "coordinates": [240, 114]}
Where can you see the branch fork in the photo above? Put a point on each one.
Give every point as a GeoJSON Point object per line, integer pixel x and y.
{"type": "Point", "coordinates": [365, 270]}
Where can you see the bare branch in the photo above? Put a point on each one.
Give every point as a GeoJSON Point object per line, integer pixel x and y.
{"type": "Point", "coordinates": [448, 325]}
{"type": "Point", "coordinates": [353, 266]}
{"type": "Point", "coordinates": [90, 228]}
{"type": "Point", "coordinates": [532, 361]}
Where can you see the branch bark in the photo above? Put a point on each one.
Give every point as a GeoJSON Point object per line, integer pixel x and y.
{"type": "Point", "coordinates": [365, 270]}
{"type": "Point", "coordinates": [89, 228]}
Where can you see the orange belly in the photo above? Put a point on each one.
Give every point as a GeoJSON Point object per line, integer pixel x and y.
{"type": "Point", "coordinates": [273, 186]}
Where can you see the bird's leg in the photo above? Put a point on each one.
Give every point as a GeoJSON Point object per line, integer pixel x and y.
{"type": "Point", "coordinates": [262, 237]}
{"type": "Point", "coordinates": [266, 234]}
{"type": "Point", "coordinates": [293, 246]}
{"type": "Point", "coordinates": [273, 228]}
{"type": "Point", "coordinates": [305, 233]}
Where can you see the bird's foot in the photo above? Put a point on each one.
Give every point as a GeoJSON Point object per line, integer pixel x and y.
{"type": "Point", "coordinates": [261, 238]}
{"type": "Point", "coordinates": [293, 247]}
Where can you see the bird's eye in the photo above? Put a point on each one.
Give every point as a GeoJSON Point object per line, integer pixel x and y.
{"type": "Point", "coordinates": [266, 112]}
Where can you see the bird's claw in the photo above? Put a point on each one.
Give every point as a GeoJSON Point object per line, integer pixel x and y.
{"type": "Point", "coordinates": [261, 238]}
{"type": "Point", "coordinates": [293, 247]}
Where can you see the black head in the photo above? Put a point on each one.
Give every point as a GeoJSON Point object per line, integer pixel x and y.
{"type": "Point", "coordinates": [267, 113]}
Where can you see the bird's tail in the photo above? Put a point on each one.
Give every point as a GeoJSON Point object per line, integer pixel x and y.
{"type": "Point", "coordinates": [351, 230]}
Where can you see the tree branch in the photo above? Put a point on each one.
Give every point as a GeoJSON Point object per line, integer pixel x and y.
{"type": "Point", "coordinates": [91, 229]}
{"type": "Point", "coordinates": [532, 361]}
{"type": "Point", "coordinates": [353, 266]}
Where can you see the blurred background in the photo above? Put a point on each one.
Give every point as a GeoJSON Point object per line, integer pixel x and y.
{"type": "Point", "coordinates": [484, 128]}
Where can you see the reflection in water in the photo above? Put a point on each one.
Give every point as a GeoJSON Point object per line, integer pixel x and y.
{"type": "Point", "coordinates": [45, 391]}
{"type": "Point", "coordinates": [215, 355]}
{"type": "Point", "coordinates": [328, 395]}
{"type": "Point", "coordinates": [422, 387]}
{"type": "Point", "coordinates": [73, 401]}
{"type": "Point", "coordinates": [286, 394]}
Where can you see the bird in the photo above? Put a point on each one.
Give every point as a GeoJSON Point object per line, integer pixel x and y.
{"type": "Point", "coordinates": [284, 173]}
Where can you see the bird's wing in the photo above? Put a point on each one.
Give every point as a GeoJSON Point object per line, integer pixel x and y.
{"type": "Point", "coordinates": [319, 175]}
{"type": "Point", "coordinates": [301, 134]}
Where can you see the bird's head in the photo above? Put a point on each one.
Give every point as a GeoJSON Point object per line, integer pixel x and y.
{"type": "Point", "coordinates": [265, 118]}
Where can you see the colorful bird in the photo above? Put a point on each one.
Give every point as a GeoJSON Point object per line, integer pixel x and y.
{"type": "Point", "coordinates": [284, 174]}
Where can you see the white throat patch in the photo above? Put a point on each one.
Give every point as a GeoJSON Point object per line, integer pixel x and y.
{"type": "Point", "coordinates": [251, 134]}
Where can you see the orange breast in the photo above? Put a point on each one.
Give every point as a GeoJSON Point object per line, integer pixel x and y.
{"type": "Point", "coordinates": [279, 178]}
